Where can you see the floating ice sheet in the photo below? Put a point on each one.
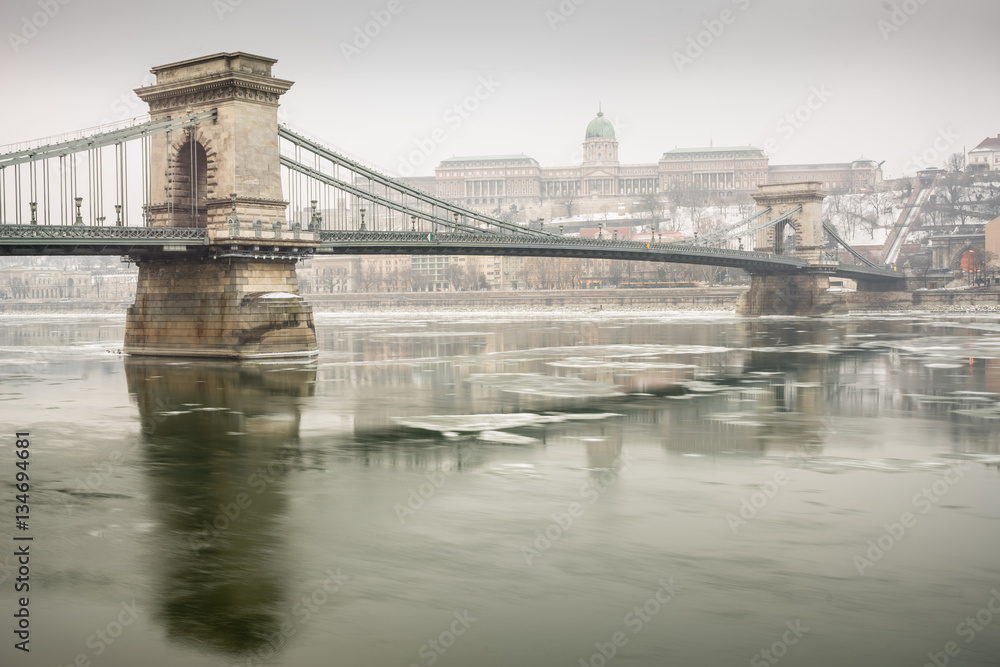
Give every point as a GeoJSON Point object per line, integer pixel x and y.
{"type": "Point", "coordinates": [587, 362]}
{"type": "Point", "coordinates": [544, 385]}
{"type": "Point", "coordinates": [702, 387]}
{"type": "Point", "coordinates": [446, 424]}
{"type": "Point", "coordinates": [833, 464]}
{"type": "Point", "coordinates": [505, 438]}
{"type": "Point", "coordinates": [991, 412]}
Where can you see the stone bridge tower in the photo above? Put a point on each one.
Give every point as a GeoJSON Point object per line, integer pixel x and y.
{"type": "Point", "coordinates": [237, 296]}
{"type": "Point", "coordinates": [199, 168]}
{"type": "Point", "coordinates": [809, 241]}
{"type": "Point", "coordinates": [801, 292]}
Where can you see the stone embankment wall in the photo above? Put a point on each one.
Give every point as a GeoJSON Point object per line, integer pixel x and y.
{"type": "Point", "coordinates": [720, 298]}
{"type": "Point", "coordinates": [950, 300]}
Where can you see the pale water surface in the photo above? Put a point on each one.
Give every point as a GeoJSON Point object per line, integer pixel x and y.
{"type": "Point", "coordinates": [493, 490]}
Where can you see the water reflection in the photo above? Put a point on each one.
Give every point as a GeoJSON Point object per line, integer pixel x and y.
{"type": "Point", "coordinates": [337, 461]}
{"type": "Point", "coordinates": [219, 441]}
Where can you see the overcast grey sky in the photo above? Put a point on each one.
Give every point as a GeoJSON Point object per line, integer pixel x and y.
{"type": "Point", "coordinates": [884, 79]}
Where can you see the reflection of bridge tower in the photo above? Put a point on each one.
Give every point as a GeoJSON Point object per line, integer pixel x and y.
{"type": "Point", "coordinates": [237, 297]}
{"type": "Point", "coordinates": [803, 292]}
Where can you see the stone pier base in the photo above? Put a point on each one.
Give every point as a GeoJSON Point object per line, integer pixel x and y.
{"type": "Point", "coordinates": [227, 308]}
{"type": "Point", "coordinates": [799, 295]}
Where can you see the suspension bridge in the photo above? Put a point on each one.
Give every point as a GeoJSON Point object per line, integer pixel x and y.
{"type": "Point", "coordinates": [216, 202]}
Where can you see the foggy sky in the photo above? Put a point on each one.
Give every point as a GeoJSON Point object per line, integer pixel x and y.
{"type": "Point", "coordinates": [883, 90]}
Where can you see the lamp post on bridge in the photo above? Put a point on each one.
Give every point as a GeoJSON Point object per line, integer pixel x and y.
{"type": "Point", "coordinates": [79, 216]}
{"type": "Point", "coordinates": [363, 229]}
{"type": "Point", "coordinates": [316, 219]}
{"type": "Point", "coordinates": [34, 212]}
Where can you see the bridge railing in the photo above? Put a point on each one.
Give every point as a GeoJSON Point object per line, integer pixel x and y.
{"type": "Point", "coordinates": [102, 233]}
{"type": "Point", "coordinates": [458, 238]}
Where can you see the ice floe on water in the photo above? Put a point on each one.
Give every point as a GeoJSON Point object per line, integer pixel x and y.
{"type": "Point", "coordinates": [433, 334]}
{"type": "Point", "coordinates": [493, 423]}
{"type": "Point", "coordinates": [989, 412]}
{"type": "Point", "coordinates": [702, 387]}
{"type": "Point", "coordinates": [545, 385]}
{"type": "Point", "coordinates": [513, 470]}
{"type": "Point", "coordinates": [811, 348]}
{"type": "Point", "coordinates": [619, 351]}
{"type": "Point", "coordinates": [589, 362]}
{"type": "Point", "coordinates": [834, 465]}
{"type": "Point", "coordinates": [949, 350]}
{"type": "Point", "coordinates": [505, 438]}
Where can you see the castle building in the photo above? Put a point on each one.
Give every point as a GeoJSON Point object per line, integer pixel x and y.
{"type": "Point", "coordinates": [518, 188]}
{"type": "Point", "coordinates": [857, 176]}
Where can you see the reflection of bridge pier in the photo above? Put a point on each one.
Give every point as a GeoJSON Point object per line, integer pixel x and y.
{"type": "Point", "coordinates": [219, 440]}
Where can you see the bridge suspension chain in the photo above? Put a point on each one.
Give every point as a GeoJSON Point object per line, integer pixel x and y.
{"type": "Point", "coordinates": [73, 170]}
{"type": "Point", "coordinates": [772, 223]}
{"type": "Point", "coordinates": [829, 229]}
{"type": "Point", "coordinates": [374, 197]}
{"type": "Point", "coordinates": [392, 184]}
{"type": "Point", "coordinates": [732, 232]}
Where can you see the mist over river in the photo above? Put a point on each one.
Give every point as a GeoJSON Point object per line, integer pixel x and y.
{"type": "Point", "coordinates": [497, 489]}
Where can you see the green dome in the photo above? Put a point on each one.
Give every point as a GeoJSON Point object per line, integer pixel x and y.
{"type": "Point", "coordinates": [600, 128]}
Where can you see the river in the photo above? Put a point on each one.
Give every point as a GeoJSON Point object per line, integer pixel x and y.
{"type": "Point", "coordinates": [494, 489]}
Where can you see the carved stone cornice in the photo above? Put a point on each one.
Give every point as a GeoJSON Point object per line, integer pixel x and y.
{"type": "Point", "coordinates": [214, 88]}
{"type": "Point", "coordinates": [791, 193]}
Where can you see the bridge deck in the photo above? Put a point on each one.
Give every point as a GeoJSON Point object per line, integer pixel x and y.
{"type": "Point", "coordinates": [137, 241]}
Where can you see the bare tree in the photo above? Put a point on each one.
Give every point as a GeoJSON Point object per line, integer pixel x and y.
{"type": "Point", "coordinates": [18, 288]}
{"type": "Point", "coordinates": [956, 162]}
{"type": "Point", "coordinates": [569, 201]}
{"type": "Point", "coordinates": [507, 215]}
{"type": "Point", "coordinates": [653, 205]}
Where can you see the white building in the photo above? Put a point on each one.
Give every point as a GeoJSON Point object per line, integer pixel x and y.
{"type": "Point", "coordinates": [985, 156]}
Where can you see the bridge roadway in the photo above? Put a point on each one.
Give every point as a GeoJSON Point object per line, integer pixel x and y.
{"type": "Point", "coordinates": [23, 240]}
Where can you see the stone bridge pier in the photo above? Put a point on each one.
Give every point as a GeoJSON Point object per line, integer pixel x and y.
{"type": "Point", "coordinates": [800, 292]}
{"type": "Point", "coordinates": [238, 296]}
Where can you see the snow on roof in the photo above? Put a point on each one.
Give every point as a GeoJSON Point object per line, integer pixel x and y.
{"type": "Point", "coordinates": [988, 144]}
{"type": "Point", "coordinates": [713, 149]}
{"type": "Point", "coordinates": [490, 158]}
{"type": "Point", "coordinates": [599, 217]}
